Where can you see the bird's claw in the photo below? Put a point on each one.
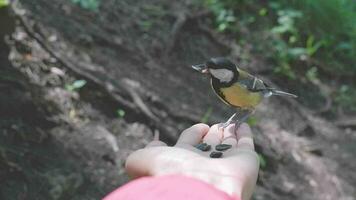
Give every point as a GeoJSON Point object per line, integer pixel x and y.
{"type": "Point", "coordinates": [224, 125]}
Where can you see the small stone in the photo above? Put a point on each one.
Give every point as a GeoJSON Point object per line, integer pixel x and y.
{"type": "Point", "coordinates": [203, 147]}
{"type": "Point", "coordinates": [222, 147]}
{"type": "Point", "coordinates": [216, 154]}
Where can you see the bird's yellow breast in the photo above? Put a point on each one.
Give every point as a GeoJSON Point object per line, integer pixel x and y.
{"type": "Point", "coordinates": [239, 96]}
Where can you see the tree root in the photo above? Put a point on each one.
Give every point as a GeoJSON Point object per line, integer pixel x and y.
{"type": "Point", "coordinates": [182, 19]}
{"type": "Point", "coordinates": [117, 92]}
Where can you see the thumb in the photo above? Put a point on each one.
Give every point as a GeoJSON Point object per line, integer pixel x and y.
{"type": "Point", "coordinates": [156, 142]}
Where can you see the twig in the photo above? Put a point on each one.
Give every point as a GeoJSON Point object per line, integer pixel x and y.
{"type": "Point", "coordinates": [131, 89]}
{"type": "Point", "coordinates": [62, 59]}
{"type": "Point", "coordinates": [182, 19]}
{"type": "Point", "coordinates": [346, 123]}
{"type": "Point", "coordinates": [214, 37]}
{"type": "Point", "coordinates": [326, 92]}
{"type": "Point", "coordinates": [114, 90]}
{"type": "Point", "coordinates": [177, 27]}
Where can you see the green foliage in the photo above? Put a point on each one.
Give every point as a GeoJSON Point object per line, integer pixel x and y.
{"type": "Point", "coordinates": [262, 160]}
{"type": "Point", "coordinates": [62, 185]}
{"type": "Point", "coordinates": [297, 28]}
{"type": "Point", "coordinates": [346, 98]}
{"type": "Point", "coordinates": [4, 3]}
{"type": "Point", "coordinates": [145, 25]}
{"type": "Point", "coordinates": [76, 85]}
{"type": "Point", "coordinates": [224, 16]}
{"type": "Point", "coordinates": [92, 5]}
{"type": "Point", "coordinates": [329, 29]}
{"type": "Point", "coordinates": [252, 121]}
{"type": "Point", "coordinates": [285, 69]}
{"type": "Point", "coordinates": [286, 21]}
{"type": "Point", "coordinates": [206, 116]}
{"type": "Point", "coordinates": [312, 74]}
{"type": "Point", "coordinates": [152, 16]}
{"type": "Point", "coordinates": [263, 12]}
{"type": "Point", "coordinates": [154, 10]}
{"type": "Point", "coordinates": [120, 113]}
{"type": "Point", "coordinates": [307, 38]}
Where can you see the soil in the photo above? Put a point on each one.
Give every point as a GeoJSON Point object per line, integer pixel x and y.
{"type": "Point", "coordinates": [57, 143]}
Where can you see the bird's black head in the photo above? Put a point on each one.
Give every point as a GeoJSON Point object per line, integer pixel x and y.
{"type": "Point", "coordinates": [220, 63]}
{"type": "Point", "coordinates": [220, 69]}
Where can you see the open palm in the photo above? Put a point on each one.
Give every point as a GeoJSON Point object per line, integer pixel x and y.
{"type": "Point", "coordinates": [235, 172]}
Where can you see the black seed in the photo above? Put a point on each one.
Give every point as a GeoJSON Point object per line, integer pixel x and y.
{"type": "Point", "coordinates": [207, 148]}
{"type": "Point", "coordinates": [222, 147]}
{"type": "Point", "coordinates": [203, 147]}
{"type": "Point", "coordinates": [200, 145]}
{"type": "Point", "coordinates": [216, 154]}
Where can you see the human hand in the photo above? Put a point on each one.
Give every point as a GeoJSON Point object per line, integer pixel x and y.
{"type": "Point", "coordinates": [234, 173]}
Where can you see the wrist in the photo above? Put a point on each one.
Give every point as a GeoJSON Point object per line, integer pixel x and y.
{"type": "Point", "coordinates": [226, 184]}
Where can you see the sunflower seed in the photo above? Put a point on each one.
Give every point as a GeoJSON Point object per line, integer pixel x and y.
{"type": "Point", "coordinates": [216, 154]}
{"type": "Point", "coordinates": [222, 147]}
{"type": "Point", "coordinates": [203, 147]}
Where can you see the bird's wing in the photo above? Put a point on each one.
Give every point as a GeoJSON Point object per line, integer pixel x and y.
{"type": "Point", "coordinates": [252, 83]}
{"type": "Point", "coordinates": [255, 84]}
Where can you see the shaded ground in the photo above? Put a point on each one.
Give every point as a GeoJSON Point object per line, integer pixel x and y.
{"type": "Point", "coordinates": [53, 143]}
{"type": "Point", "coordinates": [135, 56]}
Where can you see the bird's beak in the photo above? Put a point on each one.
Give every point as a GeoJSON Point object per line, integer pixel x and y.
{"type": "Point", "coordinates": [201, 68]}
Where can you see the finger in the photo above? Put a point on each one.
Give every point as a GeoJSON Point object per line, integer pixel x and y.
{"type": "Point", "coordinates": [214, 135]}
{"type": "Point", "coordinates": [156, 142]}
{"type": "Point", "coordinates": [244, 137]}
{"type": "Point", "coordinates": [193, 135]}
{"type": "Point", "coordinates": [141, 162]}
{"type": "Point", "coordinates": [229, 136]}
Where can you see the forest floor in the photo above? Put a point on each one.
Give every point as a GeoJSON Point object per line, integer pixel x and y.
{"type": "Point", "coordinates": [63, 138]}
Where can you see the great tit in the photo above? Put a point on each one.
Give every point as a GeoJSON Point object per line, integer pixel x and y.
{"type": "Point", "coordinates": [237, 88]}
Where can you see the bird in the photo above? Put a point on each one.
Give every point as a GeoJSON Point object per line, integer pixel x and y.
{"type": "Point", "coordinates": [237, 88]}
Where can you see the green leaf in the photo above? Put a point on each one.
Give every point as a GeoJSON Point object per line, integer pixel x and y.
{"type": "Point", "coordinates": [263, 162]}
{"type": "Point", "coordinates": [222, 27]}
{"type": "Point", "coordinates": [297, 51]}
{"type": "Point", "coordinates": [146, 25]}
{"type": "Point", "coordinates": [285, 70]}
{"type": "Point", "coordinates": [79, 84]}
{"type": "Point", "coordinates": [311, 46]}
{"type": "Point", "coordinates": [312, 74]}
{"type": "Point", "coordinates": [76, 85]}
{"type": "Point", "coordinates": [4, 3]}
{"type": "Point", "coordinates": [87, 4]}
{"type": "Point", "coordinates": [344, 46]}
{"type": "Point", "coordinates": [292, 39]}
{"type": "Point", "coordinates": [206, 115]}
{"type": "Point", "coordinates": [252, 121]}
{"type": "Point", "coordinates": [120, 113]}
{"type": "Point", "coordinates": [262, 12]}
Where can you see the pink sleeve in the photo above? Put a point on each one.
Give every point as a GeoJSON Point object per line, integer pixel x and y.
{"type": "Point", "coordinates": [172, 187]}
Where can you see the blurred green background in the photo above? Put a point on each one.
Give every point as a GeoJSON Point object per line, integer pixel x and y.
{"type": "Point", "coordinates": [311, 41]}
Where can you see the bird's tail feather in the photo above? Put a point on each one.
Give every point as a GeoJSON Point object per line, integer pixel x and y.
{"type": "Point", "coordinates": [281, 93]}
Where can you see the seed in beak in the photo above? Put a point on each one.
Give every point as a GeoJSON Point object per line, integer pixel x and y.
{"type": "Point", "coordinates": [200, 68]}
{"type": "Point", "coordinates": [205, 71]}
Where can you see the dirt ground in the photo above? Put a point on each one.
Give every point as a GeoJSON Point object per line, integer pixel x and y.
{"type": "Point", "coordinates": [57, 143]}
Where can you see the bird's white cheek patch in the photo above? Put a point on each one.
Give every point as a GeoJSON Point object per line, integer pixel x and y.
{"type": "Point", "coordinates": [224, 75]}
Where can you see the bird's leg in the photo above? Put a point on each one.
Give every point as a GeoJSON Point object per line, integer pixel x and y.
{"type": "Point", "coordinates": [229, 121]}
{"type": "Point", "coordinates": [242, 118]}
